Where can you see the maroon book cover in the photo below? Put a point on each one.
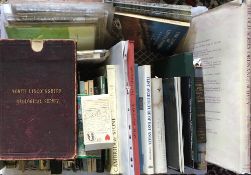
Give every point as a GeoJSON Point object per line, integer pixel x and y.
{"type": "Point", "coordinates": [37, 100]}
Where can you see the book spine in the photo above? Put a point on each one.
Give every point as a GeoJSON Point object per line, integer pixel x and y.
{"type": "Point", "coordinates": [188, 127]}
{"type": "Point", "coordinates": [138, 117]}
{"type": "Point", "coordinates": [100, 84]}
{"type": "Point", "coordinates": [184, 9]}
{"type": "Point", "coordinates": [194, 125]}
{"type": "Point", "coordinates": [174, 15]}
{"type": "Point", "coordinates": [114, 152]}
{"type": "Point", "coordinates": [146, 118]}
{"type": "Point", "coordinates": [133, 105]}
{"type": "Point", "coordinates": [90, 87]}
{"type": "Point", "coordinates": [200, 106]}
{"type": "Point", "coordinates": [159, 143]}
{"type": "Point", "coordinates": [81, 147]}
{"type": "Point", "coordinates": [248, 77]}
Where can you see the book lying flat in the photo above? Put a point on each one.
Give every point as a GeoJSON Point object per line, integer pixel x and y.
{"type": "Point", "coordinates": [37, 99]}
{"type": "Point", "coordinates": [150, 33]}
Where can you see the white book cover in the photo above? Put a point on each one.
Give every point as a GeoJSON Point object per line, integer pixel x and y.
{"type": "Point", "coordinates": [146, 118]}
{"type": "Point", "coordinates": [177, 84]}
{"type": "Point", "coordinates": [118, 57]}
{"type": "Point", "coordinates": [221, 39]}
{"type": "Point", "coordinates": [159, 142]}
{"type": "Point", "coordinates": [97, 122]}
{"type": "Point", "coordinates": [112, 91]}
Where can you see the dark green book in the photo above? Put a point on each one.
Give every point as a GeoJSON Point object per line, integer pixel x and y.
{"type": "Point", "coordinates": [181, 65]}
{"type": "Point", "coordinates": [100, 85]}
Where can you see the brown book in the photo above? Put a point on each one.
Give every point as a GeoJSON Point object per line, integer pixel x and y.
{"type": "Point", "coordinates": [37, 99]}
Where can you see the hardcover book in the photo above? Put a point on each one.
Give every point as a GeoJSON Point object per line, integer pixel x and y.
{"type": "Point", "coordinates": [149, 33]}
{"type": "Point", "coordinates": [38, 99]}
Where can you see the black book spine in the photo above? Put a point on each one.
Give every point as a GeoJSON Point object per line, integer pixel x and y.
{"type": "Point", "coordinates": [187, 130]}
{"type": "Point", "coordinates": [100, 163]}
{"type": "Point", "coordinates": [56, 166]}
{"type": "Point", "coordinates": [200, 110]}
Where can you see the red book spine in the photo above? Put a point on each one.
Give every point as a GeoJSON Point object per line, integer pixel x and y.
{"type": "Point", "coordinates": [133, 105]}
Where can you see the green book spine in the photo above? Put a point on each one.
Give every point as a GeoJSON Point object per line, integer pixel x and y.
{"type": "Point", "coordinates": [101, 85]}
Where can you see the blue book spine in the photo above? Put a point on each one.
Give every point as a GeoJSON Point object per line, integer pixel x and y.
{"type": "Point", "coordinates": [138, 118]}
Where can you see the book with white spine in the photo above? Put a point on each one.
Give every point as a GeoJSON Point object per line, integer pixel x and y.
{"type": "Point", "coordinates": [159, 143]}
{"type": "Point", "coordinates": [118, 57]}
{"type": "Point", "coordinates": [146, 118]}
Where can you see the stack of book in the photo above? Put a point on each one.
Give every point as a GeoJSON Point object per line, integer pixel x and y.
{"type": "Point", "coordinates": [68, 107]}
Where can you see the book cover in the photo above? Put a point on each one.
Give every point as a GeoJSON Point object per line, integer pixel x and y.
{"type": "Point", "coordinates": [97, 124]}
{"type": "Point", "coordinates": [38, 99]}
{"type": "Point", "coordinates": [226, 76]}
{"type": "Point", "coordinates": [131, 79]}
{"type": "Point", "coordinates": [159, 141]}
{"type": "Point", "coordinates": [84, 34]}
{"type": "Point", "coordinates": [149, 33]}
{"type": "Point", "coordinates": [146, 118]}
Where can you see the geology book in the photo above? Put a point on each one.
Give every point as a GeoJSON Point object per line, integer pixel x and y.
{"type": "Point", "coordinates": [37, 99]}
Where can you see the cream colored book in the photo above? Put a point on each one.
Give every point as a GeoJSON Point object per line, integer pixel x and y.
{"type": "Point", "coordinates": [159, 141]}
{"type": "Point", "coordinates": [221, 38]}
{"type": "Point", "coordinates": [90, 87]}
{"type": "Point", "coordinates": [112, 92]}
{"type": "Point", "coordinates": [97, 122]}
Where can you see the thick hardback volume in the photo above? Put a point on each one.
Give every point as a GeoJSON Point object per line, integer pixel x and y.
{"type": "Point", "coordinates": [112, 91]}
{"type": "Point", "coordinates": [146, 118]}
{"type": "Point", "coordinates": [131, 78]}
{"type": "Point", "coordinates": [225, 54]}
{"type": "Point", "coordinates": [97, 124]}
{"type": "Point", "coordinates": [118, 57]}
{"type": "Point", "coordinates": [159, 142]}
{"type": "Point", "coordinates": [38, 99]}
{"type": "Point", "coordinates": [149, 33]}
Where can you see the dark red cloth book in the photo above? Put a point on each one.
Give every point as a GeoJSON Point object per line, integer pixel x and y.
{"type": "Point", "coordinates": [37, 100]}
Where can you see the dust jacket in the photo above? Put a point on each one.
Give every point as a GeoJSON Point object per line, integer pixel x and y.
{"type": "Point", "coordinates": [37, 100]}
